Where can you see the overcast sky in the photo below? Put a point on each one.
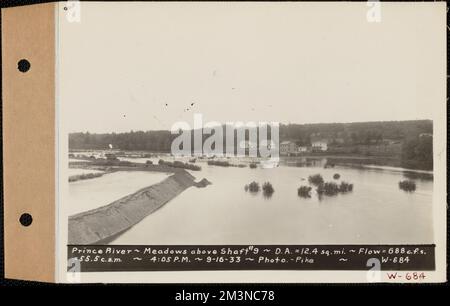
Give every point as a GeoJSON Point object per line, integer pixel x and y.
{"type": "Point", "coordinates": [140, 66]}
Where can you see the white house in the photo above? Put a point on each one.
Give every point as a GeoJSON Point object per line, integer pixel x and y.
{"type": "Point", "coordinates": [319, 145]}
{"type": "Point", "coordinates": [302, 149]}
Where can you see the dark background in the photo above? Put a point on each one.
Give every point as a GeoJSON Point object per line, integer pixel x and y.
{"type": "Point", "coordinates": [155, 294]}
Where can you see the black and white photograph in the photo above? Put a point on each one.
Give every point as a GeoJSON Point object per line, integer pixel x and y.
{"type": "Point", "coordinates": [251, 136]}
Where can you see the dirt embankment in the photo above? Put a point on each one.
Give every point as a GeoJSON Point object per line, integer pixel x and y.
{"type": "Point", "coordinates": [104, 222]}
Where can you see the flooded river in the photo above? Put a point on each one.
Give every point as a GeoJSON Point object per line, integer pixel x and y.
{"type": "Point", "coordinates": [376, 212]}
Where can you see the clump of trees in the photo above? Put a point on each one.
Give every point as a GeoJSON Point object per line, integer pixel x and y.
{"type": "Point", "coordinates": [315, 179]}
{"type": "Point", "coordinates": [304, 191]}
{"type": "Point", "coordinates": [345, 187]}
{"type": "Point", "coordinates": [407, 185]}
{"type": "Point", "coordinates": [331, 188]}
{"type": "Point", "coordinates": [219, 163]}
{"type": "Point", "coordinates": [224, 164]}
{"type": "Point", "coordinates": [324, 188]}
{"type": "Point", "coordinates": [253, 187]}
{"type": "Point", "coordinates": [328, 188]}
{"type": "Point", "coordinates": [417, 152]}
{"type": "Point", "coordinates": [267, 189]}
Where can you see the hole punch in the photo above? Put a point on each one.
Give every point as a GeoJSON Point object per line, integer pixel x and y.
{"type": "Point", "coordinates": [26, 219]}
{"type": "Point", "coordinates": [23, 65]}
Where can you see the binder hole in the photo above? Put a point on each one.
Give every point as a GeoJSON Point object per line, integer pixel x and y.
{"type": "Point", "coordinates": [26, 219]}
{"type": "Point", "coordinates": [23, 65]}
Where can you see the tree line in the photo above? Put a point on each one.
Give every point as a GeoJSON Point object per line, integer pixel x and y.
{"type": "Point", "coordinates": [346, 133]}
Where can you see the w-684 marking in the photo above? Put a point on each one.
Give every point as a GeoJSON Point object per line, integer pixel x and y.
{"type": "Point", "coordinates": [408, 276]}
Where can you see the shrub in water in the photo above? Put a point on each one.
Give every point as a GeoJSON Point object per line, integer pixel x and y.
{"type": "Point", "coordinates": [252, 165]}
{"type": "Point", "coordinates": [316, 179]}
{"type": "Point", "coordinates": [246, 187]}
{"type": "Point", "coordinates": [304, 191]}
{"type": "Point", "coordinates": [407, 185]}
{"type": "Point", "coordinates": [253, 187]}
{"type": "Point", "coordinates": [336, 176]}
{"type": "Point", "coordinates": [267, 188]}
{"type": "Point", "coordinates": [328, 188]}
{"type": "Point", "coordinates": [345, 187]}
{"type": "Point", "coordinates": [219, 163]}
{"type": "Point", "coordinates": [179, 164]}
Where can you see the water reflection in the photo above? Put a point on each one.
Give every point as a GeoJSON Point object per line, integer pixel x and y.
{"type": "Point", "coordinates": [267, 196]}
{"type": "Point", "coordinates": [418, 175]}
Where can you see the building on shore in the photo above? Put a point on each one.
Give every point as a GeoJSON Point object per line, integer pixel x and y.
{"type": "Point", "coordinates": [288, 148]}
{"type": "Point", "coordinates": [302, 149]}
{"type": "Point", "coordinates": [320, 145]}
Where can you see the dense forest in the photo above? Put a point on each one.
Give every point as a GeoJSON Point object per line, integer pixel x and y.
{"type": "Point", "coordinates": [346, 133]}
{"type": "Point", "coordinates": [357, 132]}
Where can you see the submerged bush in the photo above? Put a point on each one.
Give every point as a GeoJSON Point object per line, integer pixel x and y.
{"type": "Point", "coordinates": [315, 179]}
{"type": "Point", "coordinates": [253, 187]}
{"type": "Point", "coordinates": [345, 187]}
{"type": "Point", "coordinates": [407, 185]}
{"type": "Point", "coordinates": [179, 164]}
{"type": "Point", "coordinates": [253, 165]}
{"type": "Point", "coordinates": [246, 187]}
{"type": "Point", "coordinates": [331, 188]}
{"type": "Point", "coordinates": [336, 176]}
{"type": "Point", "coordinates": [328, 188]}
{"type": "Point", "coordinates": [224, 164]}
{"type": "Point", "coordinates": [304, 191]}
{"type": "Point", "coordinates": [267, 189]}
{"type": "Point", "coordinates": [218, 163]}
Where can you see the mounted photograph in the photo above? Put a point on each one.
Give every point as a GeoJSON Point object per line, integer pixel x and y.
{"type": "Point", "coordinates": [291, 138]}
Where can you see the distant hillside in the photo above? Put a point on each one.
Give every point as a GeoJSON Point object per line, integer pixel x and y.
{"type": "Point", "coordinates": [346, 133]}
